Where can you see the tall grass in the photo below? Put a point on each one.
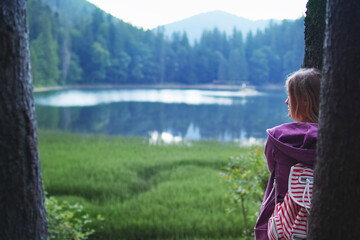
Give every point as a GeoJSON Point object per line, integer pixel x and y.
{"type": "Point", "coordinates": [143, 191]}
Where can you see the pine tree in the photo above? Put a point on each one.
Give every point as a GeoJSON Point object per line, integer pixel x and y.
{"type": "Point", "coordinates": [22, 208]}
{"type": "Point", "coordinates": [335, 211]}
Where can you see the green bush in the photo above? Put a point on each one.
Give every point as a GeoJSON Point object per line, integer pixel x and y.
{"type": "Point", "coordinates": [68, 221]}
{"type": "Point", "coordinates": [247, 176]}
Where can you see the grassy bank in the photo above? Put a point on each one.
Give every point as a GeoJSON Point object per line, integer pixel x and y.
{"type": "Point", "coordinates": [143, 191]}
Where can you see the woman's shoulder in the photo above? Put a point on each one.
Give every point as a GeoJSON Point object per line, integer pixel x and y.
{"type": "Point", "coordinates": [297, 140]}
{"type": "Point", "coordinates": [293, 128]}
{"type": "Point", "coordinates": [294, 134]}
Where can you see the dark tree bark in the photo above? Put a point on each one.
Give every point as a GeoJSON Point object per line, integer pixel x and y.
{"type": "Point", "coordinates": [314, 33]}
{"type": "Point", "coordinates": [335, 209]}
{"type": "Point", "coordinates": [22, 213]}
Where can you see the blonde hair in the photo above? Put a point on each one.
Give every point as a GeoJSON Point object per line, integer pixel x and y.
{"type": "Point", "coordinates": [304, 92]}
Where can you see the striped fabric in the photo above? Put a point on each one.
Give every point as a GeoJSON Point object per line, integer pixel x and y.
{"type": "Point", "coordinates": [289, 219]}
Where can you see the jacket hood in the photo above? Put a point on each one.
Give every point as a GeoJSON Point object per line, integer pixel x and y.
{"type": "Point", "coordinates": [296, 140]}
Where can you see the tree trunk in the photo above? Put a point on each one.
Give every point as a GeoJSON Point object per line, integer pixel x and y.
{"type": "Point", "coordinates": [314, 33]}
{"type": "Point", "coordinates": [65, 57]}
{"type": "Point", "coordinates": [335, 208]}
{"type": "Point", "coordinates": [21, 195]}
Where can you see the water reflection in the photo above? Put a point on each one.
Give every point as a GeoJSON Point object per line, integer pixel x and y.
{"type": "Point", "coordinates": [71, 98]}
{"type": "Point", "coordinates": [166, 138]}
{"type": "Point", "coordinates": [245, 118]}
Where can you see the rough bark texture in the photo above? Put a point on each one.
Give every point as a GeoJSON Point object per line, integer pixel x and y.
{"type": "Point", "coordinates": [314, 33]}
{"type": "Point", "coordinates": [335, 209]}
{"type": "Point", "coordinates": [21, 195]}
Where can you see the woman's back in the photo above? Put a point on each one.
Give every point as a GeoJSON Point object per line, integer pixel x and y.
{"type": "Point", "coordinates": [291, 143]}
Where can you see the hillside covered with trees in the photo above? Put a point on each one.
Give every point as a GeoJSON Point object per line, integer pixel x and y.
{"type": "Point", "coordinates": [74, 42]}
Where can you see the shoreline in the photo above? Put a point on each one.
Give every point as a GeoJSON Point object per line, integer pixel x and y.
{"type": "Point", "coordinates": [162, 86]}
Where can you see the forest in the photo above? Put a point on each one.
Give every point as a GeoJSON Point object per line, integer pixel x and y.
{"type": "Point", "coordinates": [24, 217]}
{"type": "Point", "coordinates": [75, 43]}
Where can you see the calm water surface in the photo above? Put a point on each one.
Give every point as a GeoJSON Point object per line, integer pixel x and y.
{"type": "Point", "coordinates": [190, 114]}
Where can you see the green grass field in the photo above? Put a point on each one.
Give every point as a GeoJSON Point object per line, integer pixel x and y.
{"type": "Point", "coordinates": [143, 191]}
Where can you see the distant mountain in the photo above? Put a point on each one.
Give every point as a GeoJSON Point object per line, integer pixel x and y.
{"type": "Point", "coordinates": [225, 22]}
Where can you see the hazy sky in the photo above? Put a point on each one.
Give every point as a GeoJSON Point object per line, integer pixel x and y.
{"type": "Point", "coordinates": [151, 13]}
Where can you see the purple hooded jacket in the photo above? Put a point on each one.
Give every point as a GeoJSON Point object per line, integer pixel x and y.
{"type": "Point", "coordinates": [287, 145]}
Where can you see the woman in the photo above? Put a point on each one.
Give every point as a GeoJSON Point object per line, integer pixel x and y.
{"type": "Point", "coordinates": [291, 143]}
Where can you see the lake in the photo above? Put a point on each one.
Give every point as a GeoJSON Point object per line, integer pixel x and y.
{"type": "Point", "coordinates": [183, 113]}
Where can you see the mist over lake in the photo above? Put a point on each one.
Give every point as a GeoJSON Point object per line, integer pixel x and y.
{"type": "Point", "coordinates": [189, 114]}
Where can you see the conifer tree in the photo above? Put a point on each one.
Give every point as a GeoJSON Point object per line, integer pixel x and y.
{"type": "Point", "coordinates": [335, 211]}
{"type": "Point", "coordinates": [21, 195]}
{"type": "Point", "coordinates": [314, 33]}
